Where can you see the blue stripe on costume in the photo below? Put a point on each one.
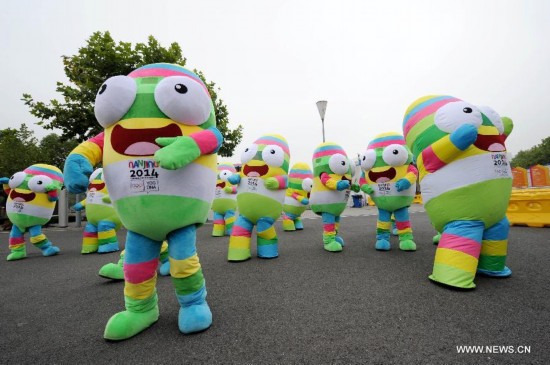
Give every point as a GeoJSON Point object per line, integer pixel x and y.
{"type": "Point", "coordinates": [185, 238]}
{"type": "Point", "coordinates": [469, 229]}
{"type": "Point", "coordinates": [497, 232]}
{"type": "Point", "coordinates": [141, 249]}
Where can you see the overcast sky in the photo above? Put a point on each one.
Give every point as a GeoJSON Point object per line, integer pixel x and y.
{"type": "Point", "coordinates": [274, 59]}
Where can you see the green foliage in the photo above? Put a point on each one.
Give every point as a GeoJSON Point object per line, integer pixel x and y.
{"type": "Point", "coordinates": [98, 60]}
{"type": "Point", "coordinates": [53, 150]}
{"type": "Point", "coordinates": [537, 155]}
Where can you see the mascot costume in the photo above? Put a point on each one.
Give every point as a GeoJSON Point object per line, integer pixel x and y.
{"type": "Point", "coordinates": [103, 221]}
{"type": "Point", "coordinates": [466, 184]}
{"type": "Point", "coordinates": [116, 271]}
{"type": "Point", "coordinates": [261, 182]}
{"type": "Point", "coordinates": [300, 182]}
{"type": "Point", "coordinates": [391, 183]}
{"type": "Point", "coordinates": [225, 201]}
{"type": "Point", "coordinates": [331, 190]}
{"type": "Point", "coordinates": [32, 194]}
{"type": "Point", "coordinates": [159, 158]}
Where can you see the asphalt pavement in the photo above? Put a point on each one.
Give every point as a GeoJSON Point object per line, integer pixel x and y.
{"type": "Point", "coordinates": [308, 306]}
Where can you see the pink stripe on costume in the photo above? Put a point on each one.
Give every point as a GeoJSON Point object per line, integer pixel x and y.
{"type": "Point", "coordinates": [206, 141]}
{"type": "Point", "coordinates": [461, 244]}
{"type": "Point", "coordinates": [282, 181]}
{"type": "Point", "coordinates": [329, 227]}
{"type": "Point", "coordinates": [98, 140]}
{"type": "Point", "coordinates": [51, 175]}
{"type": "Point", "coordinates": [138, 273]}
{"type": "Point", "coordinates": [240, 231]}
{"type": "Point", "coordinates": [385, 143]}
{"type": "Point", "coordinates": [421, 114]}
{"type": "Point", "coordinates": [90, 234]}
{"type": "Point", "coordinates": [266, 142]}
{"type": "Point", "coordinates": [327, 152]}
{"type": "Point", "coordinates": [402, 225]}
{"type": "Point", "coordinates": [16, 241]}
{"type": "Point", "coordinates": [294, 175]}
{"type": "Point", "coordinates": [219, 221]}
{"type": "Point", "coordinates": [431, 161]}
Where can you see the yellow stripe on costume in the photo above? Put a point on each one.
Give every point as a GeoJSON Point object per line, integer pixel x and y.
{"type": "Point", "coordinates": [494, 248]}
{"type": "Point", "coordinates": [184, 268]}
{"type": "Point", "coordinates": [406, 230]}
{"type": "Point", "coordinates": [456, 259]}
{"type": "Point", "coordinates": [142, 290]}
{"type": "Point", "coordinates": [268, 234]}
{"type": "Point", "coordinates": [239, 242]}
{"type": "Point", "coordinates": [39, 238]}
{"type": "Point", "coordinates": [89, 150]}
{"type": "Point", "coordinates": [383, 225]}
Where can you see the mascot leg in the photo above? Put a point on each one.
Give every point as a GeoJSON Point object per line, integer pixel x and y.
{"type": "Point", "coordinates": [457, 253]}
{"type": "Point", "coordinates": [113, 271]}
{"type": "Point", "coordinates": [394, 231]}
{"type": "Point", "coordinates": [106, 234]}
{"type": "Point", "coordinates": [338, 239]}
{"type": "Point", "coordinates": [239, 242]}
{"type": "Point", "coordinates": [17, 244]}
{"type": "Point", "coordinates": [329, 233]}
{"type": "Point", "coordinates": [298, 223]}
{"type": "Point", "coordinates": [383, 230]}
{"type": "Point", "coordinates": [89, 239]}
{"type": "Point", "coordinates": [186, 272]}
{"type": "Point", "coordinates": [288, 222]}
{"type": "Point", "coordinates": [268, 242]}
{"type": "Point", "coordinates": [218, 228]}
{"type": "Point", "coordinates": [40, 240]}
{"type": "Point", "coordinates": [140, 295]}
{"type": "Point", "coordinates": [404, 230]}
{"type": "Point", "coordinates": [229, 221]}
{"type": "Point", "coordinates": [494, 247]}
{"type": "Point", "coordinates": [164, 269]}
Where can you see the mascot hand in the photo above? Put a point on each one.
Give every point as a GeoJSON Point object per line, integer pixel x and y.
{"type": "Point", "coordinates": [228, 189]}
{"type": "Point", "coordinates": [305, 201]}
{"type": "Point", "coordinates": [4, 180]}
{"type": "Point", "coordinates": [78, 207]}
{"type": "Point", "coordinates": [76, 172]}
{"type": "Point", "coordinates": [367, 189]}
{"type": "Point", "coordinates": [106, 199]}
{"type": "Point", "coordinates": [342, 185]}
{"type": "Point", "coordinates": [271, 183]}
{"type": "Point", "coordinates": [355, 188]}
{"type": "Point", "coordinates": [177, 152]}
{"type": "Point", "coordinates": [402, 184]}
{"type": "Point", "coordinates": [234, 179]}
{"type": "Point", "coordinates": [464, 136]}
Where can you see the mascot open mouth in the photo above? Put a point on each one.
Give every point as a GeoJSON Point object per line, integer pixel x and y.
{"type": "Point", "coordinates": [140, 142]}
{"type": "Point", "coordinates": [221, 185]}
{"type": "Point", "coordinates": [96, 187]}
{"type": "Point", "coordinates": [255, 171]}
{"type": "Point", "coordinates": [21, 197]}
{"type": "Point", "coordinates": [382, 176]}
{"type": "Point", "coordinates": [491, 143]}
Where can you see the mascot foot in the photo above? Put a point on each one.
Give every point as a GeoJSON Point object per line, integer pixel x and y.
{"type": "Point", "coordinates": [194, 318]}
{"type": "Point", "coordinates": [506, 272]}
{"type": "Point", "coordinates": [50, 251]}
{"type": "Point", "coordinates": [127, 324]}
{"type": "Point", "coordinates": [382, 245]}
{"type": "Point", "coordinates": [88, 249]}
{"type": "Point", "coordinates": [466, 285]}
{"type": "Point", "coordinates": [108, 247]}
{"type": "Point", "coordinates": [216, 233]}
{"type": "Point", "coordinates": [164, 268]}
{"type": "Point", "coordinates": [238, 255]}
{"type": "Point", "coordinates": [436, 239]}
{"type": "Point", "coordinates": [16, 255]}
{"type": "Point", "coordinates": [407, 245]}
{"type": "Point", "coordinates": [333, 246]}
{"type": "Point", "coordinates": [340, 240]}
{"type": "Point", "coordinates": [112, 271]}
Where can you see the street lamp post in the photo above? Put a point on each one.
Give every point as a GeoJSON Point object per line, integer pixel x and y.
{"type": "Point", "coordinates": [322, 107]}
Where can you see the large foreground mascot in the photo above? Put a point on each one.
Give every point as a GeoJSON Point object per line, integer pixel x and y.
{"type": "Point", "coordinates": [159, 161]}
{"type": "Point", "coordinates": [466, 182]}
{"type": "Point", "coordinates": [32, 194]}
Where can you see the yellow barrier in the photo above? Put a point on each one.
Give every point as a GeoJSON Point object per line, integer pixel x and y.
{"type": "Point", "coordinates": [529, 207]}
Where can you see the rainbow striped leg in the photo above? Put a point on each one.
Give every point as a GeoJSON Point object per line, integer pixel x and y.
{"type": "Point", "coordinates": [329, 233]}
{"type": "Point", "coordinates": [456, 257]}
{"type": "Point", "coordinates": [218, 228]}
{"type": "Point", "coordinates": [229, 221]}
{"type": "Point", "coordinates": [164, 268]}
{"type": "Point", "coordinates": [186, 272]}
{"type": "Point", "coordinates": [288, 222]}
{"type": "Point", "coordinates": [40, 240]}
{"type": "Point", "coordinates": [89, 239]}
{"type": "Point", "coordinates": [494, 247]}
{"type": "Point", "coordinates": [239, 242]}
{"type": "Point", "coordinates": [404, 230]}
{"type": "Point", "coordinates": [140, 296]}
{"type": "Point", "coordinates": [267, 240]}
{"type": "Point", "coordinates": [106, 234]}
{"type": "Point", "coordinates": [298, 223]}
{"type": "Point", "coordinates": [393, 226]}
{"type": "Point", "coordinates": [383, 226]}
{"type": "Point", "coordinates": [17, 244]}
{"type": "Point", "coordinates": [338, 239]}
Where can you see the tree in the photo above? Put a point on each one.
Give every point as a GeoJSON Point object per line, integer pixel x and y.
{"type": "Point", "coordinates": [537, 155]}
{"type": "Point", "coordinates": [98, 60]}
{"type": "Point", "coordinates": [18, 150]}
{"type": "Point", "coordinates": [53, 150]}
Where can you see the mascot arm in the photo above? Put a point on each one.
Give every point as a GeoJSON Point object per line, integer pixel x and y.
{"type": "Point", "coordinates": [80, 162]}
{"type": "Point", "coordinates": [446, 150]}
{"type": "Point", "coordinates": [178, 152]}
{"type": "Point", "coordinates": [276, 182]}
{"type": "Point", "coordinates": [300, 198]}
{"type": "Point", "coordinates": [328, 181]}
{"type": "Point", "coordinates": [80, 205]}
{"type": "Point", "coordinates": [508, 126]}
{"type": "Point", "coordinates": [367, 189]}
{"type": "Point", "coordinates": [412, 174]}
{"type": "Point", "coordinates": [106, 199]}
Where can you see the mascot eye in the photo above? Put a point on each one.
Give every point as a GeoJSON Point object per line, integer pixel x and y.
{"type": "Point", "coordinates": [368, 159]}
{"type": "Point", "coordinates": [95, 174]}
{"type": "Point", "coordinates": [452, 115]}
{"type": "Point", "coordinates": [307, 184]}
{"type": "Point", "coordinates": [249, 153]}
{"type": "Point", "coordinates": [395, 155]}
{"type": "Point", "coordinates": [38, 183]}
{"type": "Point", "coordinates": [494, 117]}
{"type": "Point", "coordinates": [224, 175]}
{"type": "Point", "coordinates": [273, 155]}
{"type": "Point", "coordinates": [114, 99]}
{"type": "Point", "coordinates": [339, 164]}
{"type": "Point", "coordinates": [183, 100]}
{"type": "Point", "coordinates": [17, 179]}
